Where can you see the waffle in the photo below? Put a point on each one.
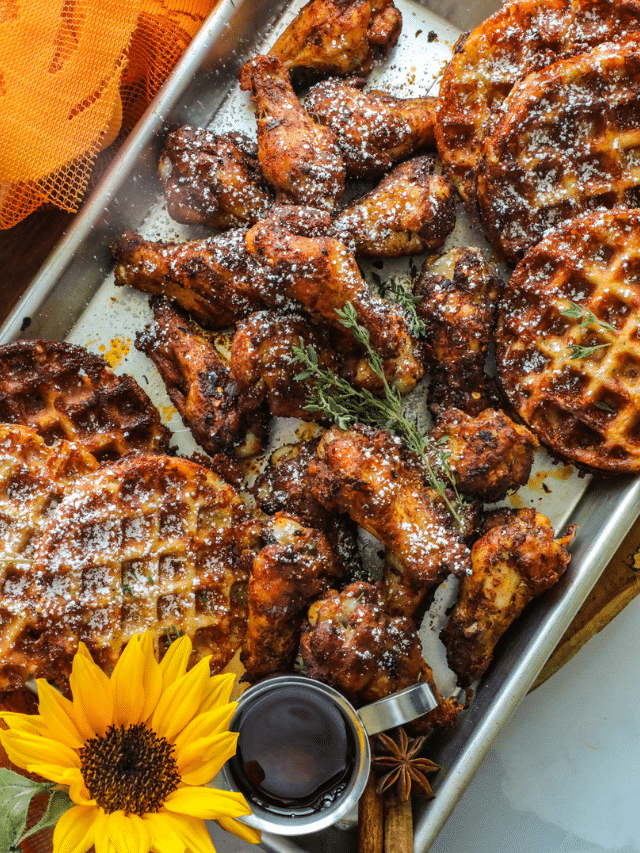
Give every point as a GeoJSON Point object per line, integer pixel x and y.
{"type": "Point", "coordinates": [568, 142]}
{"type": "Point", "coordinates": [587, 407]}
{"type": "Point", "coordinates": [521, 38]}
{"type": "Point", "coordinates": [65, 392]}
{"type": "Point", "coordinates": [33, 480]}
{"type": "Point", "coordinates": [149, 542]}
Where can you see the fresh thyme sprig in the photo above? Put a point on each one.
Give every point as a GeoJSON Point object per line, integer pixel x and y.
{"type": "Point", "coordinates": [579, 351]}
{"type": "Point", "coordinates": [395, 291]}
{"type": "Point", "coordinates": [346, 406]}
{"type": "Point", "coordinates": [587, 318]}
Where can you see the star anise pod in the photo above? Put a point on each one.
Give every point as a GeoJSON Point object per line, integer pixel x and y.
{"type": "Point", "coordinates": [398, 766]}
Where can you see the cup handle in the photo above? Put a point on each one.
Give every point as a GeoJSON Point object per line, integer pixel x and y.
{"type": "Point", "coordinates": [398, 708]}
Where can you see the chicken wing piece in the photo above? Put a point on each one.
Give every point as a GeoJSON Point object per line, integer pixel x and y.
{"type": "Point", "coordinates": [351, 643]}
{"type": "Point", "coordinates": [517, 559]}
{"type": "Point", "coordinates": [489, 454]}
{"type": "Point", "coordinates": [294, 568]}
{"type": "Point", "coordinates": [411, 210]}
{"type": "Point", "coordinates": [338, 36]}
{"type": "Point", "coordinates": [200, 385]}
{"type": "Point", "coordinates": [374, 129]}
{"type": "Point", "coordinates": [264, 365]}
{"type": "Point", "coordinates": [322, 274]}
{"type": "Point", "coordinates": [211, 179]}
{"type": "Point", "coordinates": [285, 485]}
{"type": "Point", "coordinates": [458, 306]}
{"type": "Point", "coordinates": [370, 475]}
{"type": "Point", "coordinates": [297, 155]}
{"type": "Point", "coordinates": [215, 280]}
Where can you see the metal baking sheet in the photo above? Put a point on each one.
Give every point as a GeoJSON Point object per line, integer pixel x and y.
{"type": "Point", "coordinates": [74, 297]}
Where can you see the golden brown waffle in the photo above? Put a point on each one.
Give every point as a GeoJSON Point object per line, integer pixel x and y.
{"type": "Point", "coordinates": [65, 392]}
{"type": "Point", "coordinates": [149, 542]}
{"type": "Point", "coordinates": [569, 142]}
{"type": "Point", "coordinates": [521, 38]}
{"type": "Point", "coordinates": [33, 480]}
{"type": "Point", "coordinates": [586, 408]}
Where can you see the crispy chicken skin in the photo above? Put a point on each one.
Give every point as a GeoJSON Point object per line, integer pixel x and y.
{"type": "Point", "coordinates": [215, 280]}
{"type": "Point", "coordinates": [352, 644]}
{"type": "Point", "coordinates": [294, 568]}
{"type": "Point", "coordinates": [411, 210]}
{"type": "Point", "coordinates": [322, 274]}
{"type": "Point", "coordinates": [200, 385]}
{"type": "Point", "coordinates": [458, 306]}
{"type": "Point", "coordinates": [285, 485]}
{"type": "Point", "coordinates": [370, 475]}
{"type": "Point", "coordinates": [338, 36]}
{"type": "Point", "coordinates": [489, 454]}
{"type": "Point", "coordinates": [264, 365]}
{"type": "Point", "coordinates": [374, 129]}
{"type": "Point", "coordinates": [297, 155]}
{"type": "Point", "coordinates": [517, 559]}
{"type": "Point", "coordinates": [212, 179]}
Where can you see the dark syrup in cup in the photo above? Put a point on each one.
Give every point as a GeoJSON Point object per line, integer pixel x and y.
{"type": "Point", "coordinates": [295, 752]}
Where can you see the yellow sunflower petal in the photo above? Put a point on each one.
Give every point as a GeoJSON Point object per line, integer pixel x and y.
{"type": "Point", "coordinates": [75, 830]}
{"type": "Point", "coordinates": [218, 692]}
{"type": "Point", "coordinates": [127, 833]}
{"type": "Point", "coordinates": [128, 686]}
{"type": "Point", "coordinates": [199, 762]}
{"type": "Point", "coordinates": [179, 701]}
{"type": "Point", "coordinates": [174, 664]}
{"type": "Point", "coordinates": [242, 830]}
{"type": "Point", "coordinates": [206, 725]}
{"type": "Point", "coordinates": [152, 676]}
{"type": "Point", "coordinates": [163, 839]}
{"type": "Point", "coordinates": [92, 694]}
{"type": "Point", "coordinates": [191, 831]}
{"type": "Point", "coordinates": [78, 791]}
{"type": "Point", "coordinates": [30, 723]}
{"type": "Point", "coordinates": [207, 803]}
{"type": "Point", "coordinates": [57, 712]}
{"type": "Point", "coordinates": [29, 750]}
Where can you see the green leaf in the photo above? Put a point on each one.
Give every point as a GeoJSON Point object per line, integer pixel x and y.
{"type": "Point", "coordinates": [59, 803]}
{"type": "Point", "coordinates": [16, 793]}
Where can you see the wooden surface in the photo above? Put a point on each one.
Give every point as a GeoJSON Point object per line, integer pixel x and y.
{"type": "Point", "coordinates": [24, 248]}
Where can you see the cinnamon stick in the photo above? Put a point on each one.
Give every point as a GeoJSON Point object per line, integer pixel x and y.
{"type": "Point", "coordinates": [398, 824]}
{"type": "Point", "coordinates": [370, 819]}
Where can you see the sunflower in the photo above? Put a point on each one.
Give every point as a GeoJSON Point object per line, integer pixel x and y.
{"type": "Point", "coordinates": [135, 752]}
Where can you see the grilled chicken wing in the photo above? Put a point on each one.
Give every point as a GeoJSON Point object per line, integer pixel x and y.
{"type": "Point", "coordinates": [338, 36]}
{"type": "Point", "coordinates": [322, 274]}
{"type": "Point", "coordinates": [215, 280]}
{"type": "Point", "coordinates": [298, 156]}
{"type": "Point", "coordinates": [517, 559]}
{"type": "Point", "coordinates": [295, 567]}
{"type": "Point", "coordinates": [458, 306]}
{"type": "Point", "coordinates": [350, 643]}
{"type": "Point", "coordinates": [370, 475]}
{"type": "Point", "coordinates": [211, 179]}
{"type": "Point", "coordinates": [374, 129]}
{"type": "Point", "coordinates": [200, 385]}
{"type": "Point", "coordinates": [264, 365]}
{"type": "Point", "coordinates": [411, 210]}
{"type": "Point", "coordinates": [489, 454]}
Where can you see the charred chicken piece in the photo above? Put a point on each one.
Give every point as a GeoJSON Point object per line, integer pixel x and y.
{"type": "Point", "coordinates": [215, 280]}
{"type": "Point", "coordinates": [294, 568]}
{"type": "Point", "coordinates": [489, 454]}
{"type": "Point", "coordinates": [338, 36]}
{"type": "Point", "coordinates": [411, 210]}
{"type": "Point", "coordinates": [352, 644]}
{"type": "Point", "coordinates": [200, 385]}
{"type": "Point", "coordinates": [298, 156]}
{"type": "Point", "coordinates": [212, 179]}
{"type": "Point", "coordinates": [517, 559]}
{"type": "Point", "coordinates": [322, 275]}
{"type": "Point", "coordinates": [285, 485]}
{"type": "Point", "coordinates": [370, 475]}
{"type": "Point", "coordinates": [458, 307]}
{"type": "Point", "coordinates": [374, 129]}
{"type": "Point", "coordinates": [264, 365]}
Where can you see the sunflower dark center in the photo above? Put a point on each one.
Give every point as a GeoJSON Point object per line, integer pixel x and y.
{"type": "Point", "coordinates": [131, 768]}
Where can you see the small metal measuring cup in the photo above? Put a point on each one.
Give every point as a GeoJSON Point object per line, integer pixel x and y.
{"type": "Point", "coordinates": [284, 819]}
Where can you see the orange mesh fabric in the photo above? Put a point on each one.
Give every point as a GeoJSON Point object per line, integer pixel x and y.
{"type": "Point", "coordinates": [75, 75]}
